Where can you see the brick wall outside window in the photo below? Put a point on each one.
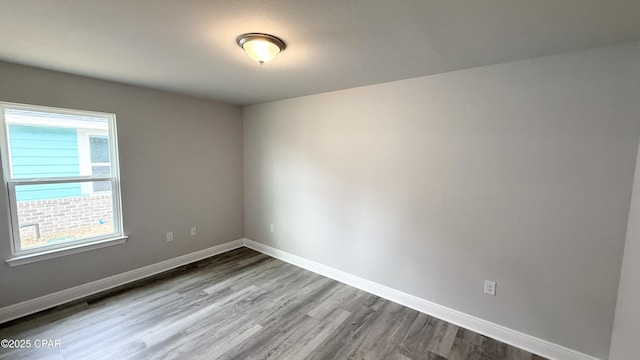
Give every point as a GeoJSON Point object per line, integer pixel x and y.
{"type": "Point", "coordinates": [59, 215]}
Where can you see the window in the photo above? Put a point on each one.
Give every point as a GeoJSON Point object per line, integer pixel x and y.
{"type": "Point", "coordinates": [61, 171]}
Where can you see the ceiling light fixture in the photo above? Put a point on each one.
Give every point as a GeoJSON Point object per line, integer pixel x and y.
{"type": "Point", "coordinates": [260, 47]}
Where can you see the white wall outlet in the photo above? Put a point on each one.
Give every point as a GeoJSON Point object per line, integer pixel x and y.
{"type": "Point", "coordinates": [194, 231]}
{"type": "Point", "coordinates": [170, 236]}
{"type": "Point", "coordinates": [490, 287]}
{"type": "Point", "coordinates": [273, 228]}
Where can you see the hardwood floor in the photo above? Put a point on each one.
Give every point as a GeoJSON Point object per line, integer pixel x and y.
{"type": "Point", "coordinates": [245, 305]}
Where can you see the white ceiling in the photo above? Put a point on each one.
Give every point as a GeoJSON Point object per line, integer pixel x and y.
{"type": "Point", "coordinates": [189, 46]}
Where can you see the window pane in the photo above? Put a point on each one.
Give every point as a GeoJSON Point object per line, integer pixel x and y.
{"type": "Point", "coordinates": [101, 170]}
{"type": "Point", "coordinates": [45, 145]}
{"type": "Point", "coordinates": [99, 147]}
{"type": "Point", "coordinates": [45, 220]}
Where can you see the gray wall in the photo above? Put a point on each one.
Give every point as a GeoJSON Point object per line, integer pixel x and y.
{"type": "Point", "coordinates": [180, 163]}
{"type": "Point", "coordinates": [520, 173]}
{"type": "Point", "coordinates": [626, 328]}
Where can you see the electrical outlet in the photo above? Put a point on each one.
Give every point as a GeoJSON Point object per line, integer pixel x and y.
{"type": "Point", "coordinates": [273, 228]}
{"type": "Point", "coordinates": [170, 236]}
{"type": "Point", "coordinates": [490, 287]}
{"type": "Point", "coordinates": [193, 231]}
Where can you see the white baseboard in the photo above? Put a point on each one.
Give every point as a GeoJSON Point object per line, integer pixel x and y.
{"type": "Point", "coordinates": [509, 336]}
{"type": "Point", "coordinates": [45, 302]}
{"type": "Point", "coordinates": [512, 337]}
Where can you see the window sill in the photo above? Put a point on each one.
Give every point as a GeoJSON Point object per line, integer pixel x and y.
{"type": "Point", "coordinates": [50, 254]}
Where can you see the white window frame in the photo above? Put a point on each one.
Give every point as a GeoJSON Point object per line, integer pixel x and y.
{"type": "Point", "coordinates": [23, 256]}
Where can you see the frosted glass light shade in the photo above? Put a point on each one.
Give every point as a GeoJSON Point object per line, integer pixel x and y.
{"type": "Point", "coordinates": [260, 47]}
{"type": "Point", "coordinates": [260, 50]}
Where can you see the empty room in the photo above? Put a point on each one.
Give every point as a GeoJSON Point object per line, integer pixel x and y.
{"type": "Point", "coordinates": [353, 179]}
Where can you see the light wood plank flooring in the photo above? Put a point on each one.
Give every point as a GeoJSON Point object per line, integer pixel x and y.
{"type": "Point", "coordinates": [245, 305]}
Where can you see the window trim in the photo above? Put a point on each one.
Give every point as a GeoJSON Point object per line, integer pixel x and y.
{"type": "Point", "coordinates": [74, 249]}
{"type": "Point", "coordinates": [20, 256]}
